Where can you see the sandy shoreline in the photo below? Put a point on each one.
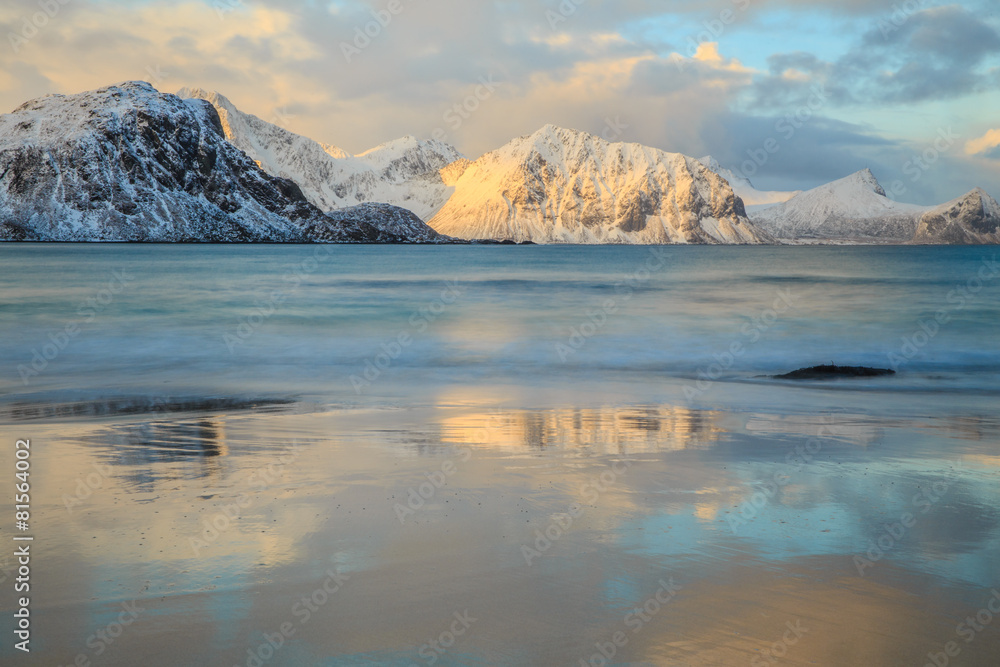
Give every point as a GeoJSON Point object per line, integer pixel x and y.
{"type": "Point", "coordinates": [372, 535]}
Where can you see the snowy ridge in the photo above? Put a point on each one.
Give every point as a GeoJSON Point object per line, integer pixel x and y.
{"type": "Point", "coordinates": [744, 189]}
{"type": "Point", "coordinates": [403, 172]}
{"type": "Point", "coordinates": [405, 158]}
{"type": "Point", "coordinates": [127, 163]}
{"type": "Point", "coordinates": [565, 186]}
{"type": "Point", "coordinates": [971, 219]}
{"type": "Point", "coordinates": [854, 208]}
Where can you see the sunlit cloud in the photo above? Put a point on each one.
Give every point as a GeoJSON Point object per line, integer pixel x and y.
{"type": "Point", "coordinates": [285, 62]}
{"type": "Point", "coordinates": [984, 145]}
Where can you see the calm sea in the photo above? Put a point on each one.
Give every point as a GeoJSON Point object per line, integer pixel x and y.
{"type": "Point", "coordinates": [370, 323]}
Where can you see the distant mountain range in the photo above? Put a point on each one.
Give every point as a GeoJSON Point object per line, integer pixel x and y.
{"type": "Point", "coordinates": [856, 209]}
{"type": "Point", "coordinates": [128, 163]}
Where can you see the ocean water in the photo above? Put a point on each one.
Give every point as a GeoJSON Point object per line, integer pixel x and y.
{"type": "Point", "coordinates": [565, 455]}
{"type": "Point", "coordinates": [293, 321]}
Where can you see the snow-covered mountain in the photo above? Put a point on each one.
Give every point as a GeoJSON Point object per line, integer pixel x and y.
{"type": "Point", "coordinates": [971, 219]}
{"type": "Point", "coordinates": [403, 172]}
{"type": "Point", "coordinates": [744, 189]}
{"type": "Point", "coordinates": [854, 208]}
{"type": "Point", "coordinates": [127, 163]}
{"type": "Point", "coordinates": [566, 186]}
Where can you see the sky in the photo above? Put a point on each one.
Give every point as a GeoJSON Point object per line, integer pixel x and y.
{"type": "Point", "coordinates": [790, 93]}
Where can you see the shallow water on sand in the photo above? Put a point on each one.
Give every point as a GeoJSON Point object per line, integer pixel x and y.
{"type": "Point", "coordinates": [511, 487]}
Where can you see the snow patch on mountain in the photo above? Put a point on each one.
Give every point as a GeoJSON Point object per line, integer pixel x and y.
{"type": "Point", "coordinates": [565, 186]}
{"type": "Point", "coordinates": [744, 189]}
{"type": "Point", "coordinates": [854, 208]}
{"type": "Point", "coordinates": [403, 172]}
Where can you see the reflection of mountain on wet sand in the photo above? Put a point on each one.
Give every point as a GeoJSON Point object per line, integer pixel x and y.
{"type": "Point", "coordinates": [149, 451]}
{"type": "Point", "coordinates": [609, 430]}
{"type": "Point", "coordinates": [136, 405]}
{"type": "Point", "coordinates": [153, 442]}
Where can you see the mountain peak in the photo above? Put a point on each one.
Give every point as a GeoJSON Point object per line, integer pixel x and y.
{"type": "Point", "coordinates": [212, 96]}
{"type": "Point", "coordinates": [979, 197]}
{"type": "Point", "coordinates": [130, 86]}
{"type": "Point", "coordinates": [409, 157]}
{"type": "Point", "coordinates": [551, 131]}
{"type": "Point", "coordinates": [972, 218]}
{"type": "Point", "coordinates": [865, 178]}
{"type": "Point", "coordinates": [852, 208]}
{"type": "Point", "coordinates": [407, 142]}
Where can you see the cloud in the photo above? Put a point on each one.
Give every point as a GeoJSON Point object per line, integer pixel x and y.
{"type": "Point", "coordinates": [939, 53]}
{"type": "Point", "coordinates": [987, 145]}
{"type": "Point", "coordinates": [805, 152]}
{"type": "Point", "coordinates": [950, 34]}
{"type": "Point", "coordinates": [663, 76]}
{"type": "Point", "coordinates": [607, 64]}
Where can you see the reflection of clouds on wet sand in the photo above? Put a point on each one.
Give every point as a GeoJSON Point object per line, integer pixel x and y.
{"type": "Point", "coordinates": [274, 499]}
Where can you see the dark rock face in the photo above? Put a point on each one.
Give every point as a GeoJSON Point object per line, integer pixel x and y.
{"type": "Point", "coordinates": [971, 219]}
{"type": "Point", "coordinates": [127, 163]}
{"type": "Point", "coordinates": [830, 372]}
{"type": "Point", "coordinates": [385, 224]}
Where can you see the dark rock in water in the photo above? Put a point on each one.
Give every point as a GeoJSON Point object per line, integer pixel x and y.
{"type": "Point", "coordinates": [498, 242]}
{"type": "Point", "coordinates": [830, 372]}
